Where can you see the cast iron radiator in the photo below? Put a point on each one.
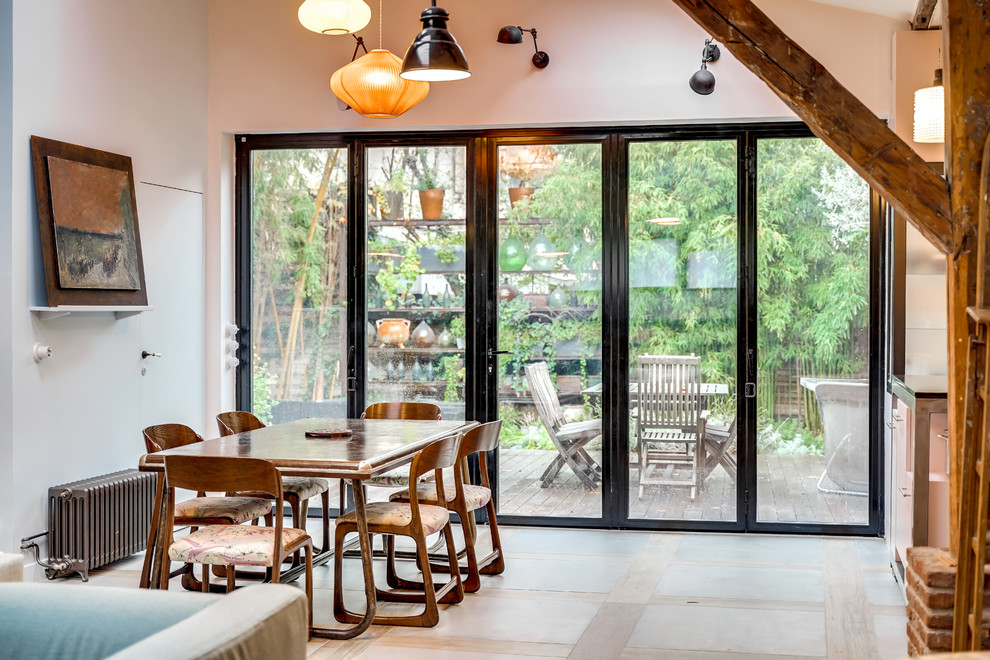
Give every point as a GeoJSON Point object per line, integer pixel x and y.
{"type": "Point", "coordinates": [95, 521]}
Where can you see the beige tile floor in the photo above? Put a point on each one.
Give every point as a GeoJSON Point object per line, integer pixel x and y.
{"type": "Point", "coordinates": [602, 594]}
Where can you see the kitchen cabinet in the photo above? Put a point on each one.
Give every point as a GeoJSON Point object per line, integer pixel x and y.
{"type": "Point", "coordinates": [919, 461]}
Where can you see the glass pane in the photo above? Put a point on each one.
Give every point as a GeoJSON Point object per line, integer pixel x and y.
{"type": "Point", "coordinates": [682, 330]}
{"type": "Point", "coordinates": [813, 298]}
{"type": "Point", "coordinates": [299, 262]}
{"type": "Point", "coordinates": [550, 262]}
{"type": "Point", "coordinates": [416, 268]}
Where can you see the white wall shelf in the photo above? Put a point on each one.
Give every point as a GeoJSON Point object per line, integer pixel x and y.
{"type": "Point", "coordinates": [47, 313]}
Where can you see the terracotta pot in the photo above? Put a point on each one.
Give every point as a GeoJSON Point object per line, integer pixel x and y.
{"type": "Point", "coordinates": [517, 195]}
{"type": "Point", "coordinates": [507, 292]}
{"type": "Point", "coordinates": [431, 202]}
{"type": "Point", "coordinates": [393, 331]}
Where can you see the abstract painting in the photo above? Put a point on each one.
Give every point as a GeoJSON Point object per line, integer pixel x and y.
{"type": "Point", "coordinates": [89, 226]}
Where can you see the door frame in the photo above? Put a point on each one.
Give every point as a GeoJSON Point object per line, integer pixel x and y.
{"type": "Point", "coordinates": [480, 393]}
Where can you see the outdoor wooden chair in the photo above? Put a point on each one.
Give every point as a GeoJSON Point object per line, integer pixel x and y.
{"type": "Point", "coordinates": [417, 521]}
{"type": "Point", "coordinates": [720, 441]}
{"type": "Point", "coordinates": [670, 422]}
{"type": "Point", "coordinates": [233, 545]}
{"type": "Point", "coordinates": [463, 498]}
{"type": "Point", "coordinates": [202, 510]}
{"type": "Point", "coordinates": [296, 490]}
{"type": "Point", "coordinates": [568, 437]}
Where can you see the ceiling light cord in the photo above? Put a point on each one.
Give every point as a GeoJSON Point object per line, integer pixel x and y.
{"type": "Point", "coordinates": [380, 25]}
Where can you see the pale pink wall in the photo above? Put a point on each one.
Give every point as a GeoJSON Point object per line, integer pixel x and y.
{"type": "Point", "coordinates": [915, 56]}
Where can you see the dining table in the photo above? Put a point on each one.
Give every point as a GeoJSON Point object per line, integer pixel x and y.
{"type": "Point", "coordinates": [367, 448]}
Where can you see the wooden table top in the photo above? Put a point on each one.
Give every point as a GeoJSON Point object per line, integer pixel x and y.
{"type": "Point", "coordinates": [375, 446]}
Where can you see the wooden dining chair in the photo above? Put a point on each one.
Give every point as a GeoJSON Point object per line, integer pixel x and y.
{"type": "Point", "coordinates": [233, 545]}
{"type": "Point", "coordinates": [296, 490]}
{"type": "Point", "coordinates": [463, 498]}
{"type": "Point", "coordinates": [417, 521]}
{"type": "Point", "coordinates": [202, 510]}
{"type": "Point", "coordinates": [399, 477]}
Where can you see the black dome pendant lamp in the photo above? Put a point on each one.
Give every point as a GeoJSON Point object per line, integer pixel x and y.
{"type": "Point", "coordinates": [435, 55]}
{"type": "Point", "coordinates": [703, 80]}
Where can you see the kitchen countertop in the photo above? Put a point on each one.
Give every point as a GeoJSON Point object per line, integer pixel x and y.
{"type": "Point", "coordinates": [910, 387]}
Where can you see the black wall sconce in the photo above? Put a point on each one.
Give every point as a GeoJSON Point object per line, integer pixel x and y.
{"type": "Point", "coordinates": [513, 34]}
{"type": "Point", "coordinates": [703, 81]}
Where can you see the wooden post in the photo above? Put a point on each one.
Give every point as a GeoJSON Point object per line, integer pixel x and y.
{"type": "Point", "coordinates": [966, 52]}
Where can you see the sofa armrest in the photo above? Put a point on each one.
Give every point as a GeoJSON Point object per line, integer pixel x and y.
{"type": "Point", "coordinates": [260, 621]}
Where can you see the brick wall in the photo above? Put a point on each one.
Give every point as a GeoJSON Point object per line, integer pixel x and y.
{"type": "Point", "coordinates": [931, 586]}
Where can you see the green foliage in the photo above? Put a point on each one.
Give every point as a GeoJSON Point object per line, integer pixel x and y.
{"type": "Point", "coordinates": [522, 430]}
{"type": "Point", "coordinates": [395, 279]}
{"type": "Point", "coordinates": [262, 383]}
{"type": "Point", "coordinates": [427, 178]}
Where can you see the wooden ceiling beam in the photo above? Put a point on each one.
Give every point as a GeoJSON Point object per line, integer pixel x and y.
{"type": "Point", "coordinates": [923, 14]}
{"type": "Point", "coordinates": [841, 120]}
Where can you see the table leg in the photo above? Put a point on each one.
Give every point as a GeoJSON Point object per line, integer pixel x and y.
{"type": "Point", "coordinates": [151, 566]}
{"type": "Point", "coordinates": [369, 577]}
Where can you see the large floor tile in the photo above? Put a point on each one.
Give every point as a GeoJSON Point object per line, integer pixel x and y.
{"type": "Point", "coordinates": [891, 636]}
{"type": "Point", "coordinates": [882, 589]}
{"type": "Point", "coordinates": [524, 620]}
{"type": "Point", "coordinates": [788, 584]}
{"type": "Point", "coordinates": [771, 549]}
{"type": "Point", "coordinates": [581, 575]}
{"type": "Point", "coordinates": [730, 630]}
{"type": "Point", "coordinates": [394, 652]}
{"type": "Point", "coordinates": [873, 552]}
{"type": "Point", "coordinates": [575, 542]}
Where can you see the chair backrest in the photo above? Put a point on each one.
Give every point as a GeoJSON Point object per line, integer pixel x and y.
{"type": "Point", "coordinates": [434, 457]}
{"type": "Point", "coordinates": [669, 393]}
{"type": "Point", "coordinates": [402, 410]}
{"type": "Point", "coordinates": [481, 439]}
{"type": "Point", "coordinates": [169, 436]}
{"type": "Point", "coordinates": [545, 396]}
{"type": "Point", "coordinates": [237, 421]}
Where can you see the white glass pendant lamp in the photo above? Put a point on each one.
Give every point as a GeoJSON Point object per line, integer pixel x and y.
{"type": "Point", "coordinates": [334, 16]}
{"type": "Point", "coordinates": [929, 112]}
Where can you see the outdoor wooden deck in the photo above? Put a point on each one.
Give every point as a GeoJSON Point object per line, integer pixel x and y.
{"type": "Point", "coordinates": [787, 492]}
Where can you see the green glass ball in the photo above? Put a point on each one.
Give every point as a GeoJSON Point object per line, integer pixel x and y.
{"type": "Point", "coordinates": [512, 254]}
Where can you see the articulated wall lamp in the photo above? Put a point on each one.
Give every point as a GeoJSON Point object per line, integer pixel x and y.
{"type": "Point", "coordinates": [703, 81]}
{"type": "Point", "coordinates": [513, 34]}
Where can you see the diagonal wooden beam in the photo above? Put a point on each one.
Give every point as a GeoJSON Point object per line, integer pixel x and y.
{"type": "Point", "coordinates": [841, 120]}
{"type": "Point", "coordinates": [923, 14]}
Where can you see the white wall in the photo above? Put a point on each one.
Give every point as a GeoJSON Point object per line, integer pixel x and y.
{"type": "Point", "coordinates": [130, 78]}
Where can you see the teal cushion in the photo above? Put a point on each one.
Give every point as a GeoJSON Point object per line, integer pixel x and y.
{"type": "Point", "coordinates": [85, 622]}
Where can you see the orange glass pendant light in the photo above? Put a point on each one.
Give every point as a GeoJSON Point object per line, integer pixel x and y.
{"type": "Point", "coordinates": [334, 16]}
{"type": "Point", "coordinates": [372, 86]}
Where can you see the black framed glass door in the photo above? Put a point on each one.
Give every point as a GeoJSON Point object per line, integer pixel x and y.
{"type": "Point", "coordinates": [745, 252]}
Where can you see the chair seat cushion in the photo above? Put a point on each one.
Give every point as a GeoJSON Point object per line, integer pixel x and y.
{"type": "Point", "coordinates": [233, 545]}
{"type": "Point", "coordinates": [395, 514]}
{"type": "Point", "coordinates": [305, 487]}
{"type": "Point", "coordinates": [236, 509]}
{"type": "Point", "coordinates": [475, 497]}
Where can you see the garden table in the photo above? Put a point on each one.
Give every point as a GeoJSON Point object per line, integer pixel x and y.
{"type": "Point", "coordinates": [375, 446]}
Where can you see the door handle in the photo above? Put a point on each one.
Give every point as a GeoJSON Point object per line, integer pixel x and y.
{"type": "Point", "coordinates": [492, 353]}
{"type": "Point", "coordinates": [750, 390]}
{"type": "Point", "coordinates": [147, 354]}
{"type": "Point", "coordinates": [903, 492]}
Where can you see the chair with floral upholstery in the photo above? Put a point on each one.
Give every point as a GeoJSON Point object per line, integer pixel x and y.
{"type": "Point", "coordinates": [463, 498]}
{"type": "Point", "coordinates": [296, 490]}
{"type": "Point", "coordinates": [202, 510]}
{"type": "Point", "coordinates": [416, 521]}
{"type": "Point", "coordinates": [233, 545]}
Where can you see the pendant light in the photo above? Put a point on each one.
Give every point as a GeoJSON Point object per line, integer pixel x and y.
{"type": "Point", "coordinates": [334, 16]}
{"type": "Point", "coordinates": [929, 112]}
{"type": "Point", "coordinates": [372, 86]}
{"type": "Point", "coordinates": [435, 55]}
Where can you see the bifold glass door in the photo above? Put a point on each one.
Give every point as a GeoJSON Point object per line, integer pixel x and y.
{"type": "Point", "coordinates": [683, 292]}
{"type": "Point", "coordinates": [674, 327]}
{"type": "Point", "coordinates": [297, 319]}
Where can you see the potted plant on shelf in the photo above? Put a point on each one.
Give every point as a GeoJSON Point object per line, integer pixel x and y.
{"type": "Point", "coordinates": [430, 193]}
{"type": "Point", "coordinates": [526, 166]}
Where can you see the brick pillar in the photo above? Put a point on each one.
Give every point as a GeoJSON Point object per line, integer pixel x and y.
{"type": "Point", "coordinates": [931, 585]}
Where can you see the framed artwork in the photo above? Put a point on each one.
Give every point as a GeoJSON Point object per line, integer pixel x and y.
{"type": "Point", "coordinates": [89, 225]}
